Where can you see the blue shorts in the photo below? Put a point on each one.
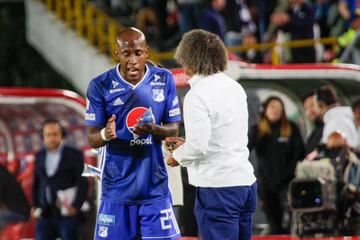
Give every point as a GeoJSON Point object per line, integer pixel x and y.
{"type": "Point", "coordinates": [225, 213]}
{"type": "Point", "coordinates": [130, 221]}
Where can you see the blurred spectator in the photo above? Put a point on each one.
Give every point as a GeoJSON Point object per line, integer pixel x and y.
{"type": "Point", "coordinates": [299, 22]}
{"type": "Point", "coordinates": [347, 38]}
{"type": "Point", "coordinates": [238, 22]}
{"type": "Point", "coordinates": [355, 106]}
{"type": "Point", "coordinates": [336, 118]}
{"type": "Point", "coordinates": [158, 19]}
{"type": "Point", "coordinates": [167, 22]}
{"type": "Point", "coordinates": [279, 146]}
{"type": "Point", "coordinates": [266, 28]}
{"type": "Point", "coordinates": [251, 55]}
{"type": "Point", "coordinates": [323, 16]}
{"type": "Point", "coordinates": [13, 204]}
{"type": "Point", "coordinates": [314, 116]}
{"type": "Point", "coordinates": [146, 19]}
{"type": "Point", "coordinates": [59, 191]}
{"type": "Point", "coordinates": [348, 9]}
{"type": "Point", "coordinates": [189, 13]}
{"type": "Point", "coordinates": [211, 19]}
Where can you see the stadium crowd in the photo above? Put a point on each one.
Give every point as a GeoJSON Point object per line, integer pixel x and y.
{"type": "Point", "coordinates": [245, 22]}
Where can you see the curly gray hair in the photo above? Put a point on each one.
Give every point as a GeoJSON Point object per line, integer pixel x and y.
{"type": "Point", "coordinates": [201, 52]}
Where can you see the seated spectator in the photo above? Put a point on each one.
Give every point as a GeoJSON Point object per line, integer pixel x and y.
{"type": "Point", "coordinates": [13, 204]}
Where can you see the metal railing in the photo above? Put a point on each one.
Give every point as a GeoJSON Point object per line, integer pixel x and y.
{"type": "Point", "coordinates": [100, 30]}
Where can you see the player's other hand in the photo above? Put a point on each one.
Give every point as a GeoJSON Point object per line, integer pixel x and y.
{"type": "Point", "coordinates": [110, 131]}
{"type": "Point", "coordinates": [172, 162]}
{"type": "Point", "coordinates": [172, 143]}
{"type": "Point", "coordinates": [147, 128]}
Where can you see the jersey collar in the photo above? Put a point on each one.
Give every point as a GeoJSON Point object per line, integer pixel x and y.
{"type": "Point", "coordinates": [131, 85]}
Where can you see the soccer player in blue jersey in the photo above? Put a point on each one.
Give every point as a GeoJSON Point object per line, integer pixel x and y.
{"type": "Point", "coordinates": [135, 199]}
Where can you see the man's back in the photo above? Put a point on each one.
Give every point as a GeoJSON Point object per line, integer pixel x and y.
{"type": "Point", "coordinates": [224, 100]}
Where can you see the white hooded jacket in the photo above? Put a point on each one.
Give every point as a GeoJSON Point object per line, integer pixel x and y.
{"type": "Point", "coordinates": [340, 119]}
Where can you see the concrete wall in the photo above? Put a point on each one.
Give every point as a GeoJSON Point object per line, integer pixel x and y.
{"type": "Point", "coordinates": [67, 53]}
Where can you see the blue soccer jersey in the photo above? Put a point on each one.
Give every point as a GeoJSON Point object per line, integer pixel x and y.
{"type": "Point", "coordinates": [133, 169]}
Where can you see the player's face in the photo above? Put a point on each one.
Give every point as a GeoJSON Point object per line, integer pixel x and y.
{"type": "Point", "coordinates": [274, 111]}
{"type": "Point", "coordinates": [52, 136]}
{"type": "Point", "coordinates": [132, 55]}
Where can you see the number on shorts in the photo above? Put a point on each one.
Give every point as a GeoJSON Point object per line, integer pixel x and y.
{"type": "Point", "coordinates": [165, 220]}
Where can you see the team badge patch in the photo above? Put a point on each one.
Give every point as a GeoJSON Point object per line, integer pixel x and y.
{"type": "Point", "coordinates": [158, 95]}
{"type": "Point", "coordinates": [103, 231]}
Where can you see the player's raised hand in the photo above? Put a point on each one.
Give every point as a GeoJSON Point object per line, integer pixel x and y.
{"type": "Point", "coordinates": [110, 130]}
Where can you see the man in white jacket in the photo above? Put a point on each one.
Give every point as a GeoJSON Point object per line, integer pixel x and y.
{"type": "Point", "coordinates": [215, 151]}
{"type": "Point", "coordinates": [336, 118]}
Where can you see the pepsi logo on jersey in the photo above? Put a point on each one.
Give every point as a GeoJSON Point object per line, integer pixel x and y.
{"type": "Point", "coordinates": [132, 120]}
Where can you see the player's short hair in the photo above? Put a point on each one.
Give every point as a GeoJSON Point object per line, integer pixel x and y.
{"type": "Point", "coordinates": [202, 52]}
{"type": "Point", "coordinates": [326, 94]}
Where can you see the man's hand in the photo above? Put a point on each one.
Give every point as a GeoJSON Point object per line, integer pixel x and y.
{"type": "Point", "coordinates": [280, 18]}
{"type": "Point", "coordinates": [35, 212]}
{"type": "Point", "coordinates": [147, 128]}
{"type": "Point", "coordinates": [71, 210]}
{"type": "Point", "coordinates": [172, 162]}
{"type": "Point", "coordinates": [172, 143]}
{"type": "Point", "coordinates": [110, 129]}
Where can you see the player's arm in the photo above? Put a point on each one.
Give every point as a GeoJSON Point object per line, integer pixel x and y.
{"type": "Point", "coordinates": [98, 137]}
{"type": "Point", "coordinates": [161, 131]}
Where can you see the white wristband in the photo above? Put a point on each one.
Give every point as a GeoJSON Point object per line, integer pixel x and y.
{"type": "Point", "coordinates": [103, 136]}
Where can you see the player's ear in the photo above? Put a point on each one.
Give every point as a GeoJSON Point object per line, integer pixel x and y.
{"type": "Point", "coordinates": [146, 51]}
{"type": "Point", "coordinates": [117, 54]}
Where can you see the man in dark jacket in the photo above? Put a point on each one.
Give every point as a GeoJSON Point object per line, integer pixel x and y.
{"type": "Point", "coordinates": [314, 116]}
{"type": "Point", "coordinates": [13, 205]}
{"type": "Point", "coordinates": [59, 190]}
{"type": "Point", "coordinates": [299, 22]}
{"type": "Point", "coordinates": [211, 19]}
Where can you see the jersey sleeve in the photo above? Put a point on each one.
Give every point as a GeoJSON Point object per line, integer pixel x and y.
{"type": "Point", "coordinates": [95, 114]}
{"type": "Point", "coordinates": [172, 108]}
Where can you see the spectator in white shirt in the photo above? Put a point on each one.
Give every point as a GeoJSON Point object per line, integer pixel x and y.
{"type": "Point", "coordinates": [336, 118]}
{"type": "Point", "coordinates": [215, 151]}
